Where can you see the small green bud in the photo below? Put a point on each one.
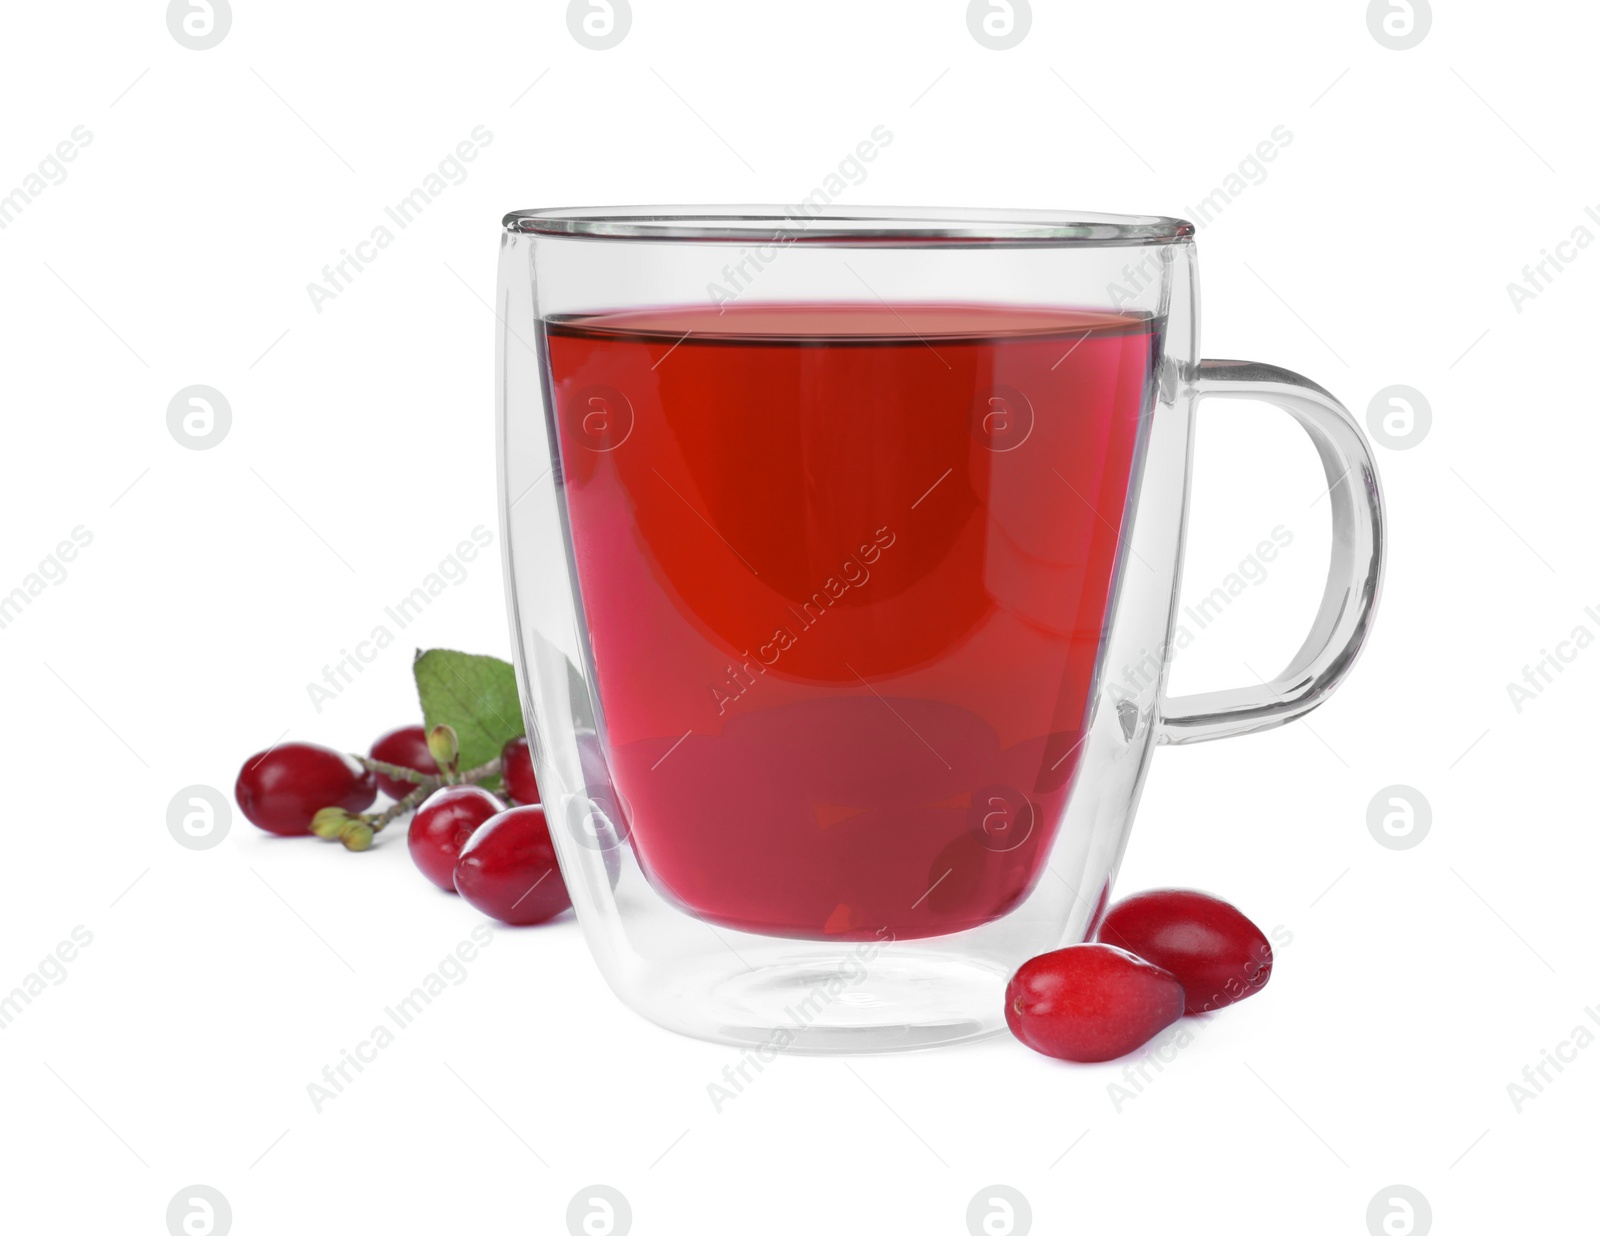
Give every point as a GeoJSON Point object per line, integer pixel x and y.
{"type": "Point", "coordinates": [357, 835]}
{"type": "Point", "coordinates": [330, 822]}
{"type": "Point", "coordinates": [444, 747]}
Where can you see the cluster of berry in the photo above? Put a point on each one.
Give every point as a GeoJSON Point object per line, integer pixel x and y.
{"type": "Point", "coordinates": [1159, 955]}
{"type": "Point", "coordinates": [493, 849]}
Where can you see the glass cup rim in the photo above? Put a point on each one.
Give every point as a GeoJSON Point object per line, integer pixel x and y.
{"type": "Point", "coordinates": [915, 226]}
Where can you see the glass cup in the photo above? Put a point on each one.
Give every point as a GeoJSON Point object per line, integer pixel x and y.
{"type": "Point", "coordinates": [842, 555]}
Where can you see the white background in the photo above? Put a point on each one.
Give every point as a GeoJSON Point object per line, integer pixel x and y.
{"type": "Point", "coordinates": [218, 583]}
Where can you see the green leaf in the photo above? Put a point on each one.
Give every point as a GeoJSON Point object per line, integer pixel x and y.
{"type": "Point", "coordinates": [477, 696]}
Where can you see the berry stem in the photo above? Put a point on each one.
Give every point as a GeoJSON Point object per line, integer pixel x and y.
{"type": "Point", "coordinates": [358, 831]}
{"type": "Point", "coordinates": [398, 771]}
{"type": "Point", "coordinates": [396, 809]}
{"type": "Point", "coordinates": [483, 771]}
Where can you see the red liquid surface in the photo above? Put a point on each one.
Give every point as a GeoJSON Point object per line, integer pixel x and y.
{"type": "Point", "coordinates": [845, 571]}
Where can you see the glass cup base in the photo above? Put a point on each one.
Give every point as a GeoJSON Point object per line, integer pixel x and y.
{"type": "Point", "coordinates": [905, 999]}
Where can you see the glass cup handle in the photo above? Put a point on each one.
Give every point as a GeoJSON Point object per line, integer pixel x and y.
{"type": "Point", "coordinates": [1354, 574]}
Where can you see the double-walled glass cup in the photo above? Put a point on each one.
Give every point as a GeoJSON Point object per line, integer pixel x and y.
{"type": "Point", "coordinates": [842, 556]}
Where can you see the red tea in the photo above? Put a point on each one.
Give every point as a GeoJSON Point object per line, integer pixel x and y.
{"type": "Point", "coordinates": [845, 571]}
